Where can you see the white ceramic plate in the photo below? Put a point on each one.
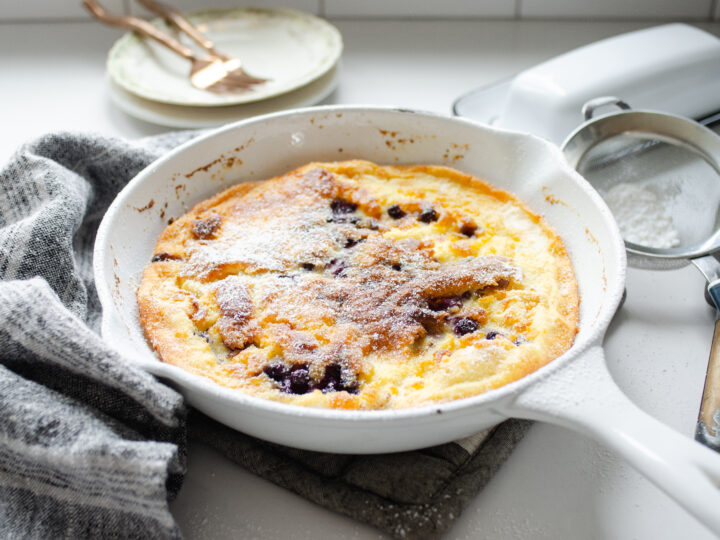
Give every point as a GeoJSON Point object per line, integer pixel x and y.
{"type": "Point", "coordinates": [179, 116]}
{"type": "Point", "coordinates": [287, 47]}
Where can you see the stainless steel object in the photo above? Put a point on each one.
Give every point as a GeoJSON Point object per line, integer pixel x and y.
{"type": "Point", "coordinates": [635, 146]}
{"type": "Point", "coordinates": [213, 73]}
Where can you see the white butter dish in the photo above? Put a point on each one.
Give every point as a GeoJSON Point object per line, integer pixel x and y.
{"type": "Point", "coordinates": [673, 68]}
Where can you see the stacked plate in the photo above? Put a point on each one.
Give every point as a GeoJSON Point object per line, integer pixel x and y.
{"type": "Point", "coordinates": [296, 52]}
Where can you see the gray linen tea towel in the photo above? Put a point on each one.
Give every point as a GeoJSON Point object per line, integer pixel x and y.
{"type": "Point", "coordinates": [92, 447]}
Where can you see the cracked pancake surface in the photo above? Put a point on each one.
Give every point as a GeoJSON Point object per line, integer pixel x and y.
{"type": "Point", "coordinates": [359, 286]}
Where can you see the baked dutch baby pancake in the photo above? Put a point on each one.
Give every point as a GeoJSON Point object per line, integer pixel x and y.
{"type": "Point", "coordinates": [360, 286]}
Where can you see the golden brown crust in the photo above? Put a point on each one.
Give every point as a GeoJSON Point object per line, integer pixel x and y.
{"type": "Point", "coordinates": [352, 285]}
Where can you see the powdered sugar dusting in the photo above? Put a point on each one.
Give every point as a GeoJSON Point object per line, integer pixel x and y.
{"type": "Point", "coordinates": [311, 253]}
{"type": "Point", "coordinates": [275, 230]}
{"type": "Point", "coordinates": [258, 247]}
{"type": "Point", "coordinates": [641, 216]}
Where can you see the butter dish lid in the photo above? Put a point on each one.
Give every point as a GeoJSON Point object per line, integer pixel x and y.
{"type": "Point", "coordinates": [672, 67]}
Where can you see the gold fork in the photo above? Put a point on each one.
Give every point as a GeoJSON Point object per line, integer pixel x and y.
{"type": "Point", "coordinates": [175, 17]}
{"type": "Point", "coordinates": [215, 72]}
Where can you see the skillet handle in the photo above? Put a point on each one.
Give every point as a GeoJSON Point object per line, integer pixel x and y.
{"type": "Point", "coordinates": [582, 396]}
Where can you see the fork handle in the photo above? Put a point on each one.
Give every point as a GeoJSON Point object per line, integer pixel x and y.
{"type": "Point", "coordinates": [172, 15]}
{"type": "Point", "coordinates": [140, 26]}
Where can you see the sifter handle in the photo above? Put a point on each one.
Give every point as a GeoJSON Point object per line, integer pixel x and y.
{"type": "Point", "coordinates": [708, 425]}
{"type": "Point", "coordinates": [588, 109]}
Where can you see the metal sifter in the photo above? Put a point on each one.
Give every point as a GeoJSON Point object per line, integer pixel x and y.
{"type": "Point", "coordinates": [660, 176]}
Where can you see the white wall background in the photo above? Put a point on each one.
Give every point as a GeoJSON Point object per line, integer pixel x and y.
{"type": "Point", "coordinates": [684, 10]}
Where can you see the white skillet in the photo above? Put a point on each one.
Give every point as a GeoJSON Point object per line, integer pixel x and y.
{"type": "Point", "coordinates": [575, 390]}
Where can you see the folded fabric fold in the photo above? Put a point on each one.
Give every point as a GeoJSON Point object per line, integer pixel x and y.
{"type": "Point", "coordinates": [91, 446]}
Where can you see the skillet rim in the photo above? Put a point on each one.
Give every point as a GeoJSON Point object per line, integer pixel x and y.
{"type": "Point", "coordinates": [341, 417]}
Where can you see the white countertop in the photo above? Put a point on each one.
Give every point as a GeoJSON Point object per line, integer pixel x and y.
{"type": "Point", "coordinates": [556, 484]}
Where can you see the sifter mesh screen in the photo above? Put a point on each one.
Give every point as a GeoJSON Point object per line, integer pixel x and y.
{"type": "Point", "coordinates": [662, 192]}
